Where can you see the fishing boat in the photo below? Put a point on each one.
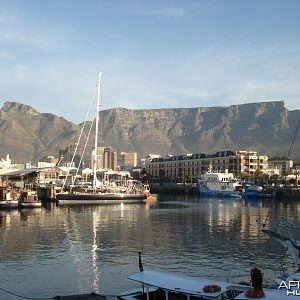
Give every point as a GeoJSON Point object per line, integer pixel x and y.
{"type": "Point", "coordinates": [98, 194]}
{"type": "Point", "coordinates": [29, 199]}
{"type": "Point", "coordinates": [8, 198]}
{"type": "Point", "coordinates": [219, 184]}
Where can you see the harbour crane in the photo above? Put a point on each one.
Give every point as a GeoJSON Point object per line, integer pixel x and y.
{"type": "Point", "coordinates": [62, 156]}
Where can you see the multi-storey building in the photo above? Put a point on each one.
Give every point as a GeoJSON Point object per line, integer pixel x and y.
{"type": "Point", "coordinates": [283, 164]}
{"type": "Point", "coordinates": [99, 159]}
{"type": "Point", "coordinates": [251, 162]}
{"type": "Point", "coordinates": [236, 162]}
{"type": "Point", "coordinates": [110, 158]}
{"type": "Point", "coordinates": [129, 159]}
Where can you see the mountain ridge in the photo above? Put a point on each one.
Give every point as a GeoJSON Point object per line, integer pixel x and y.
{"type": "Point", "coordinates": [266, 127]}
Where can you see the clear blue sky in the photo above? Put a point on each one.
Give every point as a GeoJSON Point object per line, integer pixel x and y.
{"type": "Point", "coordinates": [153, 54]}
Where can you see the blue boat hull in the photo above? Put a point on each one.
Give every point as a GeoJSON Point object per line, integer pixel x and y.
{"type": "Point", "coordinates": [204, 191]}
{"type": "Point", "coordinates": [255, 194]}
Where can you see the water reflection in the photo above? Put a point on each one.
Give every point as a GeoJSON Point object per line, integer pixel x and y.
{"type": "Point", "coordinates": [76, 249]}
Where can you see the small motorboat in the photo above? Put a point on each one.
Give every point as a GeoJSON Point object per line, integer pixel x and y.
{"type": "Point", "coordinates": [29, 199]}
{"type": "Point", "coordinates": [257, 191]}
{"type": "Point", "coordinates": [8, 198]}
{"type": "Point", "coordinates": [9, 204]}
{"type": "Point", "coordinates": [165, 285]}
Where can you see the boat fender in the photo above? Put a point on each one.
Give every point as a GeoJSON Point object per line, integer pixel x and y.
{"type": "Point", "coordinates": [211, 288]}
{"type": "Point", "coordinates": [255, 293]}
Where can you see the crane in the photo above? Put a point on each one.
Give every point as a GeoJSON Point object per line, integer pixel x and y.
{"type": "Point", "coordinates": [62, 156]}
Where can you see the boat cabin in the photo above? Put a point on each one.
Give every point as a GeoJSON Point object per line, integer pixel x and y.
{"type": "Point", "coordinates": [218, 177]}
{"type": "Point", "coordinates": [168, 286]}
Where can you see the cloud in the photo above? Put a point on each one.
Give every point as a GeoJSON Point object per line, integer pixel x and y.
{"type": "Point", "coordinates": [218, 73]}
{"type": "Point", "coordinates": [216, 76]}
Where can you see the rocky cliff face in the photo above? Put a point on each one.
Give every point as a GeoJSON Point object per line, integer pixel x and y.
{"type": "Point", "coordinates": [28, 135]}
{"type": "Point", "coordinates": [266, 127]}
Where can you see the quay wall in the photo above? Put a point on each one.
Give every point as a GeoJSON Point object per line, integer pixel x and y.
{"type": "Point", "coordinates": [174, 189]}
{"type": "Point", "coordinates": [285, 192]}
{"type": "Point", "coordinates": [280, 192]}
{"type": "Point", "coordinates": [48, 193]}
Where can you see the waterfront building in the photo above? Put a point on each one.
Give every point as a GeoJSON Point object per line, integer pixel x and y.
{"type": "Point", "coordinates": [252, 162]}
{"type": "Point", "coordinates": [49, 159]}
{"type": "Point", "coordinates": [283, 164]}
{"type": "Point", "coordinates": [43, 164]}
{"type": "Point", "coordinates": [129, 159]}
{"type": "Point", "coordinates": [48, 162]}
{"type": "Point", "coordinates": [192, 165]}
{"type": "Point", "coordinates": [110, 158]}
{"type": "Point", "coordinates": [5, 163]}
{"type": "Point", "coordinates": [6, 166]}
{"type": "Point", "coordinates": [33, 176]}
{"type": "Point", "coordinates": [273, 171]}
{"type": "Point", "coordinates": [100, 158]}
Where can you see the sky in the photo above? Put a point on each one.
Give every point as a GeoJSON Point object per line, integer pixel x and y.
{"type": "Point", "coordinates": [152, 54]}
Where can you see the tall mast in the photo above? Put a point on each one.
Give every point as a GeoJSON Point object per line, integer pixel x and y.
{"type": "Point", "coordinates": [96, 131]}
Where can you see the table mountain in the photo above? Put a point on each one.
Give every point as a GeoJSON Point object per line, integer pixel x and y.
{"type": "Point", "coordinates": [267, 127]}
{"type": "Point", "coordinates": [28, 135]}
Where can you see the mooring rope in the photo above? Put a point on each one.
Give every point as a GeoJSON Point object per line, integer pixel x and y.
{"type": "Point", "coordinates": [24, 297]}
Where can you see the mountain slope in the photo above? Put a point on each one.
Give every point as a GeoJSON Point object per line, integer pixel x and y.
{"type": "Point", "coordinates": [267, 127]}
{"type": "Point", "coordinates": [28, 135]}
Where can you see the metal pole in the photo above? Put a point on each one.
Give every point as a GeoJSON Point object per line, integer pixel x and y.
{"type": "Point", "coordinates": [96, 131]}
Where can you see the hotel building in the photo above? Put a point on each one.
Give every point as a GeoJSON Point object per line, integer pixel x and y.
{"type": "Point", "coordinates": [178, 167]}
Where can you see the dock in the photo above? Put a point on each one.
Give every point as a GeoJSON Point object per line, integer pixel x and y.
{"type": "Point", "coordinates": [175, 189]}
{"type": "Point", "coordinates": [48, 193]}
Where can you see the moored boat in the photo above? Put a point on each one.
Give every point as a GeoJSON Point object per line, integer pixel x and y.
{"type": "Point", "coordinates": [257, 191]}
{"type": "Point", "coordinates": [29, 199]}
{"type": "Point", "coordinates": [164, 285]}
{"type": "Point", "coordinates": [8, 198]}
{"type": "Point", "coordinates": [8, 204]}
{"type": "Point", "coordinates": [219, 184]}
{"type": "Point", "coordinates": [99, 193]}
{"type": "Point", "coordinates": [98, 198]}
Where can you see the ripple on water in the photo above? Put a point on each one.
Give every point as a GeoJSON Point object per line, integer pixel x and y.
{"type": "Point", "coordinates": [80, 249]}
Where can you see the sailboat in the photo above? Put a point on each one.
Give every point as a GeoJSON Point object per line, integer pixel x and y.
{"type": "Point", "coordinates": [96, 194]}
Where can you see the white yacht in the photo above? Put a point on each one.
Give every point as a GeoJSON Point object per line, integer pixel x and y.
{"type": "Point", "coordinates": [219, 184]}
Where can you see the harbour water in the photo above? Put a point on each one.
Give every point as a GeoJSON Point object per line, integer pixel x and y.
{"type": "Point", "coordinates": [79, 249]}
